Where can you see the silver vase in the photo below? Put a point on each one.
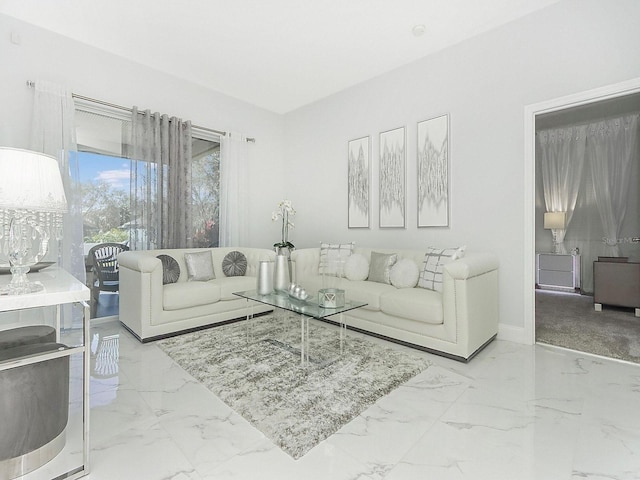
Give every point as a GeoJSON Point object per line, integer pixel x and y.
{"type": "Point", "coordinates": [281, 274]}
{"type": "Point", "coordinates": [265, 278]}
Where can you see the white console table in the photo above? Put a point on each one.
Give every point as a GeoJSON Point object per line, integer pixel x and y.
{"type": "Point", "coordinates": [45, 308]}
{"type": "Point", "coordinates": [558, 271]}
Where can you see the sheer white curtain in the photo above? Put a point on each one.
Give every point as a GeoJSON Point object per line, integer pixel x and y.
{"type": "Point", "coordinates": [611, 148]}
{"type": "Point", "coordinates": [561, 152]}
{"type": "Point", "coordinates": [161, 198]}
{"type": "Point", "coordinates": [609, 180]}
{"type": "Point", "coordinates": [234, 191]}
{"type": "Point", "coordinates": [586, 231]}
{"type": "Point", "coordinates": [53, 132]}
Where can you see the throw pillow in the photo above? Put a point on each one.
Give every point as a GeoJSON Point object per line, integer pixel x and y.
{"type": "Point", "coordinates": [199, 266]}
{"type": "Point", "coordinates": [380, 267]}
{"type": "Point", "coordinates": [333, 256]}
{"type": "Point", "coordinates": [356, 268]}
{"type": "Point", "coordinates": [234, 264]}
{"type": "Point", "coordinates": [170, 269]}
{"type": "Point", "coordinates": [404, 274]}
{"type": "Point", "coordinates": [434, 261]}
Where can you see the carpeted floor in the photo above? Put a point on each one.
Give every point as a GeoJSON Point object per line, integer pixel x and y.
{"type": "Point", "coordinates": [570, 321]}
{"type": "Point", "coordinates": [255, 367]}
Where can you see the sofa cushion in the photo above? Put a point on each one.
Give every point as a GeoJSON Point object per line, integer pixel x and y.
{"type": "Point", "coordinates": [367, 292]}
{"type": "Point", "coordinates": [404, 274]}
{"type": "Point", "coordinates": [417, 304]}
{"type": "Point", "coordinates": [333, 256]}
{"type": "Point", "coordinates": [189, 294]}
{"type": "Point", "coordinates": [356, 267]}
{"type": "Point", "coordinates": [199, 266]}
{"type": "Point", "coordinates": [380, 267]}
{"type": "Point", "coordinates": [434, 261]}
{"type": "Point", "coordinates": [228, 285]}
{"type": "Point", "coordinates": [170, 269]}
{"type": "Point", "coordinates": [234, 264]}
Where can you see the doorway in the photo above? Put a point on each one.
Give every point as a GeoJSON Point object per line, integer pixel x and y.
{"type": "Point", "coordinates": [551, 111]}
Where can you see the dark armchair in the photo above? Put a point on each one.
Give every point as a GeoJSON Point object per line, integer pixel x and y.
{"type": "Point", "coordinates": [616, 281]}
{"type": "Point", "coordinates": [103, 259]}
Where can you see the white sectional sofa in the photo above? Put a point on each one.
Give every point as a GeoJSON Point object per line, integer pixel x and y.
{"type": "Point", "coordinates": [153, 310]}
{"type": "Point", "coordinates": [456, 322]}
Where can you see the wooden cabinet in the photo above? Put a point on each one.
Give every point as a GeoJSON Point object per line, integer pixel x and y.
{"type": "Point", "coordinates": [558, 271]}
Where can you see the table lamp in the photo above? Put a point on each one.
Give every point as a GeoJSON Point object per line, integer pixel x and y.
{"type": "Point", "coordinates": [32, 203]}
{"type": "Point", "coordinates": [555, 221]}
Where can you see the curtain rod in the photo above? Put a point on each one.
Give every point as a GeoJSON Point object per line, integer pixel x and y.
{"type": "Point", "coordinates": [32, 84]}
{"type": "Point", "coordinates": [613, 116]}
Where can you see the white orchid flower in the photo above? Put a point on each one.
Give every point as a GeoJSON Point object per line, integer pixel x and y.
{"type": "Point", "coordinates": [285, 211]}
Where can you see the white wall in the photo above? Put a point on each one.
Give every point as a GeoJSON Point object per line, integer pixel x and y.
{"type": "Point", "coordinates": [94, 73]}
{"type": "Point", "coordinates": [484, 84]}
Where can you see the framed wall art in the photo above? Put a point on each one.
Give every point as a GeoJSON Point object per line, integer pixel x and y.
{"type": "Point", "coordinates": [433, 172]}
{"type": "Point", "coordinates": [359, 178]}
{"type": "Point", "coordinates": [392, 178]}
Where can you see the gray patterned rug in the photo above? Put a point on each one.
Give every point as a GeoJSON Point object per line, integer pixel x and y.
{"type": "Point", "coordinates": [255, 368]}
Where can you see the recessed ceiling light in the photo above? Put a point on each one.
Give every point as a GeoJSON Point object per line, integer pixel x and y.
{"type": "Point", "coordinates": [418, 30]}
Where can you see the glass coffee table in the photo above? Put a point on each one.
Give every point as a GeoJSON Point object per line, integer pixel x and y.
{"type": "Point", "coordinates": [307, 309]}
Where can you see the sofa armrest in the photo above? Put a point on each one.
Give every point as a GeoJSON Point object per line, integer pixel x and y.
{"type": "Point", "coordinates": [140, 290]}
{"type": "Point", "coordinates": [470, 301]}
{"type": "Point", "coordinates": [138, 261]}
{"type": "Point", "coordinates": [472, 265]}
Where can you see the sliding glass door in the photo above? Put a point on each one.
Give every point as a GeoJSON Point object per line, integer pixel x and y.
{"type": "Point", "coordinates": [104, 178]}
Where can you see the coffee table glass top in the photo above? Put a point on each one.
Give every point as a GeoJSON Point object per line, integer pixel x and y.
{"type": "Point", "coordinates": [307, 307]}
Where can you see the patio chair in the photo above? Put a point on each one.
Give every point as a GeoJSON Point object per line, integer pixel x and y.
{"type": "Point", "coordinates": [104, 260]}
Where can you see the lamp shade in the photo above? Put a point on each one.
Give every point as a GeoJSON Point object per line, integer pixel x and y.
{"type": "Point", "coordinates": [555, 220]}
{"type": "Point", "coordinates": [30, 181]}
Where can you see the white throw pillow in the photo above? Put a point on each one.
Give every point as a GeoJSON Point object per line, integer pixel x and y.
{"type": "Point", "coordinates": [333, 257]}
{"type": "Point", "coordinates": [356, 267]}
{"type": "Point", "coordinates": [404, 274]}
{"type": "Point", "coordinates": [199, 266]}
{"type": "Point", "coordinates": [434, 261]}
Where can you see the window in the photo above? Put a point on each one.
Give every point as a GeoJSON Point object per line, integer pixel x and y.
{"type": "Point", "coordinates": [205, 173]}
{"type": "Point", "coordinates": [104, 174]}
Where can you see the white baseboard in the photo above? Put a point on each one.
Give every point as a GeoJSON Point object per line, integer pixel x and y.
{"type": "Point", "coordinates": [512, 334]}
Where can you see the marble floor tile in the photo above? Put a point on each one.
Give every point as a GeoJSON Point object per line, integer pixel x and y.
{"type": "Point", "coordinates": [144, 452]}
{"type": "Point", "coordinates": [514, 412]}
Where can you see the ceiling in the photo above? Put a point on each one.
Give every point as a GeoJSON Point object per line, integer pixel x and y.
{"type": "Point", "coordinates": [277, 54]}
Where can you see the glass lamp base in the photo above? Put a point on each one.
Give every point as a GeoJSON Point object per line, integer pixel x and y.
{"type": "Point", "coordinates": [20, 284]}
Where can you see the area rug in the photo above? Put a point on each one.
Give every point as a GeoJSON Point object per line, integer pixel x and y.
{"type": "Point", "coordinates": [570, 321]}
{"type": "Point", "coordinates": [255, 368]}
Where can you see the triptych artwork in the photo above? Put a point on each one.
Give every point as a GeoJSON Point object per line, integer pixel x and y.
{"type": "Point", "coordinates": [432, 173]}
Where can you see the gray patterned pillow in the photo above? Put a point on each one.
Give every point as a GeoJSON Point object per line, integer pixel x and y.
{"type": "Point", "coordinates": [333, 257]}
{"type": "Point", "coordinates": [380, 267]}
{"type": "Point", "coordinates": [433, 267]}
{"type": "Point", "coordinates": [234, 264]}
{"type": "Point", "coordinates": [199, 266]}
{"type": "Point", "coordinates": [170, 269]}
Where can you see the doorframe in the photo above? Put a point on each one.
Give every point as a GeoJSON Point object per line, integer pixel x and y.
{"type": "Point", "coordinates": [530, 112]}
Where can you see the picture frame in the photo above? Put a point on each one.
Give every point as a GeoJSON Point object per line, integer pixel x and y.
{"type": "Point", "coordinates": [359, 182]}
{"type": "Point", "coordinates": [433, 166]}
{"type": "Point", "coordinates": [392, 178]}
